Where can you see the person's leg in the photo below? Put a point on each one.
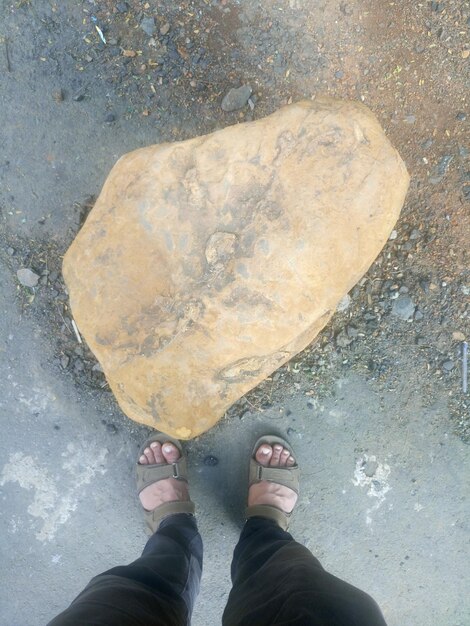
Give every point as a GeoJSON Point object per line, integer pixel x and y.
{"type": "Point", "coordinates": [160, 587]}
{"type": "Point", "coordinates": [278, 581]}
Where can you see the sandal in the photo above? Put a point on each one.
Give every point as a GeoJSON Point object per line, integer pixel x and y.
{"type": "Point", "coordinates": [286, 476]}
{"type": "Point", "coordinates": [148, 474]}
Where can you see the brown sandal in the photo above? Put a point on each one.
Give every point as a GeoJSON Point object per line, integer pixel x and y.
{"type": "Point", "coordinates": [286, 476]}
{"type": "Point", "coordinates": [149, 474]}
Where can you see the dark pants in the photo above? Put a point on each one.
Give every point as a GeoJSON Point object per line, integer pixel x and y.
{"type": "Point", "coordinates": [275, 581]}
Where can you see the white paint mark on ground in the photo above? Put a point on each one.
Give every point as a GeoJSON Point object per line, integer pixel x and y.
{"type": "Point", "coordinates": [376, 484]}
{"type": "Point", "coordinates": [54, 498]}
{"type": "Point", "coordinates": [36, 400]}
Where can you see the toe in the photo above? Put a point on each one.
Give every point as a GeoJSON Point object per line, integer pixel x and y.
{"type": "Point", "coordinates": [150, 456]}
{"type": "Point", "coordinates": [263, 454]}
{"type": "Point", "coordinates": [157, 452]}
{"type": "Point", "coordinates": [277, 449]}
{"type": "Point", "coordinates": [290, 461]}
{"type": "Point", "coordinates": [143, 460]}
{"type": "Point", "coordinates": [170, 452]}
{"type": "Point", "coordinates": [285, 454]}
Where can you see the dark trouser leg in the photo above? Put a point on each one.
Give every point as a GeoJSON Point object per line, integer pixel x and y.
{"type": "Point", "coordinates": [158, 589]}
{"type": "Point", "coordinates": [278, 581]}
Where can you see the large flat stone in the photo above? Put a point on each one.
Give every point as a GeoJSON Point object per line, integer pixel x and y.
{"type": "Point", "coordinates": [207, 264]}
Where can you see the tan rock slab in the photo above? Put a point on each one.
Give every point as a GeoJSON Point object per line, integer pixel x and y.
{"type": "Point", "coordinates": [207, 264]}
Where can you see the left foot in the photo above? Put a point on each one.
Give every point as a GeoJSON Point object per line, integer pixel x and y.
{"type": "Point", "coordinates": [266, 492]}
{"type": "Point", "coordinates": [168, 489]}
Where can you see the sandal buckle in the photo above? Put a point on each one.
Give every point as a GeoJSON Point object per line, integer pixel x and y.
{"type": "Point", "coordinates": [176, 473]}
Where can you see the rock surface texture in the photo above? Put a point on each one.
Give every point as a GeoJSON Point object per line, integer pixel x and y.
{"type": "Point", "coordinates": [207, 264]}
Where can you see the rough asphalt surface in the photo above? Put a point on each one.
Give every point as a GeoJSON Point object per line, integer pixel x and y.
{"type": "Point", "coordinates": [374, 408]}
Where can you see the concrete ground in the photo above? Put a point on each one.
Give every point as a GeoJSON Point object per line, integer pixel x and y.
{"type": "Point", "coordinates": [384, 500]}
{"type": "Point", "coordinates": [69, 508]}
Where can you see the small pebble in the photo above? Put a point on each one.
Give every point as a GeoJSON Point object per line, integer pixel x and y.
{"type": "Point", "coordinates": [236, 98]}
{"type": "Point", "coordinates": [64, 361]}
{"type": "Point", "coordinates": [461, 116]}
{"type": "Point", "coordinates": [448, 366]}
{"type": "Point", "coordinates": [418, 316]}
{"type": "Point", "coordinates": [27, 277]}
{"type": "Point", "coordinates": [122, 7]}
{"type": "Point", "coordinates": [458, 336]}
{"type": "Point", "coordinates": [165, 29]}
{"type": "Point", "coordinates": [110, 118]}
{"type": "Point", "coordinates": [415, 234]}
{"type": "Point", "coordinates": [78, 366]}
{"type": "Point", "coordinates": [111, 428]}
{"type": "Point", "coordinates": [444, 163]}
{"type": "Point", "coordinates": [352, 332]}
{"type": "Point", "coordinates": [148, 25]}
{"type": "Point", "coordinates": [425, 286]}
{"type": "Point", "coordinates": [342, 339]}
{"type": "Point", "coordinates": [403, 307]}
{"type": "Point", "coordinates": [393, 235]}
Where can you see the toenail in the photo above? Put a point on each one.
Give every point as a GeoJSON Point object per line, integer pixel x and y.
{"type": "Point", "coordinates": [153, 445]}
{"type": "Point", "coordinates": [147, 450]}
{"type": "Point", "coordinates": [142, 459]}
{"type": "Point", "coordinates": [278, 448]}
{"type": "Point", "coordinates": [168, 447]}
{"type": "Point", "coordinates": [265, 450]}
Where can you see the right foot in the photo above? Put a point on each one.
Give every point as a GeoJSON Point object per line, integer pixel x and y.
{"type": "Point", "coordinates": [266, 492]}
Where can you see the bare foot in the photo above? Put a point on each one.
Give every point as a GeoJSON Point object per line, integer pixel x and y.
{"type": "Point", "coordinates": [270, 493]}
{"type": "Point", "coordinates": [169, 489]}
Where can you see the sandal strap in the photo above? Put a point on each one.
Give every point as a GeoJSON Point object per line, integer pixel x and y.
{"type": "Point", "coordinates": [153, 518]}
{"type": "Point", "coordinates": [148, 474]}
{"type": "Point", "coordinates": [286, 476]}
{"type": "Point", "coordinates": [271, 512]}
